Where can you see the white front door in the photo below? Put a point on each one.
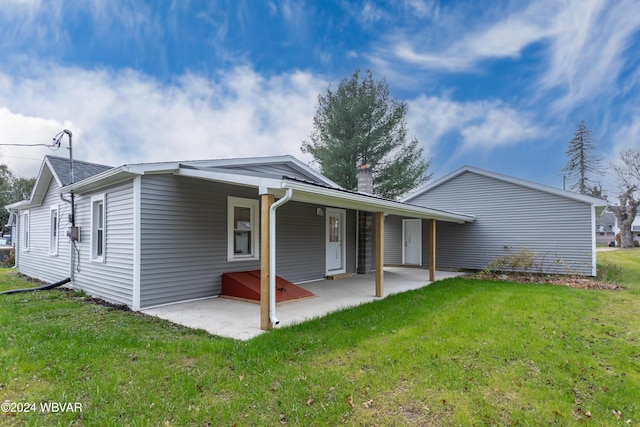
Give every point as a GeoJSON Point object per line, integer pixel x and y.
{"type": "Point", "coordinates": [412, 241]}
{"type": "Point", "coordinates": [335, 241]}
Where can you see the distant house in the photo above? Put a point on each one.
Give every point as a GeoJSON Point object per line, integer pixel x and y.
{"type": "Point", "coordinates": [605, 227]}
{"type": "Point", "coordinates": [635, 226]}
{"type": "Point", "coordinates": [510, 214]}
{"type": "Point", "coordinates": [158, 233]}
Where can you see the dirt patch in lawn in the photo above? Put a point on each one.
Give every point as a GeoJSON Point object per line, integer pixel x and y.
{"type": "Point", "coordinates": [98, 301]}
{"type": "Point", "coordinates": [570, 281]}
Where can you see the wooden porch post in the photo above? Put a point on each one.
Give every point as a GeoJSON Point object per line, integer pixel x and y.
{"type": "Point", "coordinates": [266, 200]}
{"type": "Point", "coordinates": [379, 254]}
{"type": "Point", "coordinates": [432, 250]}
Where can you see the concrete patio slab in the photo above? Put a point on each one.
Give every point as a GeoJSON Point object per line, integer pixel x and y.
{"type": "Point", "coordinates": [241, 320]}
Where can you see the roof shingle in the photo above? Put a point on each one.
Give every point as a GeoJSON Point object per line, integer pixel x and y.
{"type": "Point", "coordinates": [81, 169]}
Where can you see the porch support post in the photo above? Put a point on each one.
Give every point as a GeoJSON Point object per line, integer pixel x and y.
{"type": "Point", "coordinates": [266, 200]}
{"type": "Point", "coordinates": [379, 254]}
{"type": "Point", "coordinates": [432, 250]}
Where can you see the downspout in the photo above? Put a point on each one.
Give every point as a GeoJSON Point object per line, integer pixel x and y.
{"type": "Point", "coordinates": [272, 255]}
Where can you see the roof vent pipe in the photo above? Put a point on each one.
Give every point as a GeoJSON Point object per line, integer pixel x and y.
{"type": "Point", "coordinates": [365, 180]}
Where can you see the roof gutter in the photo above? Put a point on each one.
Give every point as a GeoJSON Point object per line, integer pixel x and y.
{"type": "Point", "coordinates": [350, 200]}
{"type": "Point", "coordinates": [272, 254]}
{"type": "Point", "coordinates": [111, 176]}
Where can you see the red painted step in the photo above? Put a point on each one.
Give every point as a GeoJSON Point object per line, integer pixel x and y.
{"type": "Point", "coordinates": [246, 285]}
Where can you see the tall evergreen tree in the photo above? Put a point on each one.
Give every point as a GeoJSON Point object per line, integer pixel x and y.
{"type": "Point", "coordinates": [359, 124]}
{"type": "Point", "coordinates": [581, 161]}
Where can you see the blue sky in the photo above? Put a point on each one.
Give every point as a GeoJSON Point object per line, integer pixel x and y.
{"type": "Point", "coordinates": [496, 85]}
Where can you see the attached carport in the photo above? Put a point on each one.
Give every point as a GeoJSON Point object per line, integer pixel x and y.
{"type": "Point", "coordinates": [276, 191]}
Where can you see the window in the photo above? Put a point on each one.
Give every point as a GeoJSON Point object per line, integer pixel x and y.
{"type": "Point", "coordinates": [243, 229]}
{"type": "Point", "coordinates": [53, 230]}
{"type": "Point", "coordinates": [98, 222]}
{"type": "Point", "coordinates": [25, 231]}
{"type": "Point", "coordinates": [334, 229]}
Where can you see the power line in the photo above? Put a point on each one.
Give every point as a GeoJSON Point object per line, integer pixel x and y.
{"type": "Point", "coordinates": [52, 147]}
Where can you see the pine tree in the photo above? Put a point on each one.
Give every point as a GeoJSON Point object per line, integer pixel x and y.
{"type": "Point", "coordinates": [361, 124]}
{"type": "Point", "coordinates": [581, 161]}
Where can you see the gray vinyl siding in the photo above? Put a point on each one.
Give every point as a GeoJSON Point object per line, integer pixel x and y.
{"type": "Point", "coordinates": [301, 242]}
{"type": "Point", "coordinates": [510, 217]}
{"type": "Point", "coordinates": [300, 246]}
{"type": "Point", "coordinates": [183, 238]}
{"type": "Point", "coordinates": [111, 280]}
{"type": "Point", "coordinates": [36, 262]}
{"type": "Point", "coordinates": [183, 245]}
{"type": "Point", "coordinates": [394, 240]}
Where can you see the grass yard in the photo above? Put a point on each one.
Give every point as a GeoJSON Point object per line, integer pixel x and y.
{"type": "Point", "coordinates": [459, 352]}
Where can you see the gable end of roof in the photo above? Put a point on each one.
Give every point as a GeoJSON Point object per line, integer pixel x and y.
{"type": "Point", "coordinates": [81, 170]}
{"type": "Point", "coordinates": [517, 181]}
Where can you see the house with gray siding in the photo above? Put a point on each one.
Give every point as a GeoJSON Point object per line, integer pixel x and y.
{"type": "Point", "coordinates": [42, 250]}
{"type": "Point", "coordinates": [157, 233]}
{"type": "Point", "coordinates": [510, 214]}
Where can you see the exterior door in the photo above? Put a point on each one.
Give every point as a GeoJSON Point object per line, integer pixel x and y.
{"type": "Point", "coordinates": [412, 241]}
{"type": "Point", "coordinates": [335, 241]}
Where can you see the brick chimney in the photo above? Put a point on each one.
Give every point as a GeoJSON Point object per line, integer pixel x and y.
{"type": "Point", "coordinates": [365, 179]}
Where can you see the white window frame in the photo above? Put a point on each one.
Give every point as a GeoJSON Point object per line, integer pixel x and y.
{"type": "Point", "coordinates": [26, 230]}
{"type": "Point", "coordinates": [54, 229]}
{"type": "Point", "coordinates": [95, 257]}
{"type": "Point", "coordinates": [253, 205]}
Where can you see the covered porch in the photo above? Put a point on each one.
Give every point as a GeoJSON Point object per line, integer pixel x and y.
{"type": "Point", "coordinates": [241, 320]}
{"type": "Point", "coordinates": [274, 192]}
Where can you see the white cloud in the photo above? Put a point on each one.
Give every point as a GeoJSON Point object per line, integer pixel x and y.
{"type": "Point", "coordinates": [35, 24]}
{"type": "Point", "coordinates": [590, 49]}
{"type": "Point", "coordinates": [461, 49]}
{"type": "Point", "coordinates": [127, 117]}
{"type": "Point", "coordinates": [480, 124]}
{"type": "Point", "coordinates": [500, 126]}
{"type": "Point", "coordinates": [422, 8]}
{"type": "Point", "coordinates": [21, 129]}
{"type": "Point", "coordinates": [627, 136]}
{"type": "Point", "coordinates": [370, 13]}
{"type": "Point", "coordinates": [585, 45]}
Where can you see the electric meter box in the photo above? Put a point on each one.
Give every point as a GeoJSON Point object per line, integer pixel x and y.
{"type": "Point", "coordinates": [73, 233]}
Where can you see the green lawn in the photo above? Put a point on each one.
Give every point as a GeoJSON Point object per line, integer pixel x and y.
{"type": "Point", "coordinates": [459, 352]}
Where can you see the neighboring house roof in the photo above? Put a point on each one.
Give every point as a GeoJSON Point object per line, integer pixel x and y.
{"type": "Point", "coordinates": [268, 174]}
{"type": "Point", "coordinates": [522, 182]}
{"type": "Point", "coordinates": [57, 168]}
{"type": "Point", "coordinates": [607, 220]}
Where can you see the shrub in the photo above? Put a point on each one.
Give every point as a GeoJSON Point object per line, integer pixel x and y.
{"type": "Point", "coordinates": [525, 261]}
{"type": "Point", "coordinates": [10, 260]}
{"type": "Point", "coordinates": [609, 272]}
